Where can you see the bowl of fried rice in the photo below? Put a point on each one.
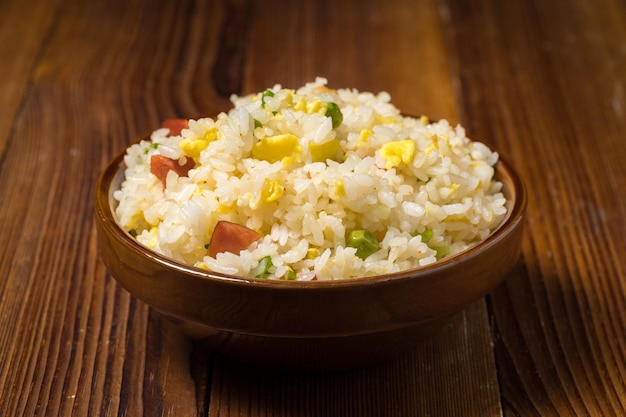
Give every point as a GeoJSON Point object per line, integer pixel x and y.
{"type": "Point", "coordinates": [309, 228]}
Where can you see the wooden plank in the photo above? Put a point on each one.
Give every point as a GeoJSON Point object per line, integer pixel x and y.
{"type": "Point", "coordinates": [544, 81]}
{"type": "Point", "coordinates": [20, 45]}
{"type": "Point", "coordinates": [447, 375]}
{"type": "Point", "coordinates": [72, 341]}
{"type": "Point", "coordinates": [355, 45]}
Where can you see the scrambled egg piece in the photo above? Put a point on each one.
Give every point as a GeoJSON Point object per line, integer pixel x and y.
{"type": "Point", "coordinates": [327, 150]}
{"type": "Point", "coordinates": [434, 144]}
{"type": "Point", "coordinates": [309, 107]}
{"type": "Point", "coordinates": [315, 107]}
{"type": "Point", "coordinates": [276, 148]}
{"type": "Point", "coordinates": [153, 237]}
{"type": "Point", "coordinates": [453, 187]}
{"type": "Point", "coordinates": [365, 134]}
{"type": "Point", "coordinates": [300, 105]}
{"type": "Point", "coordinates": [385, 120]}
{"type": "Point", "coordinates": [193, 147]}
{"type": "Point", "coordinates": [397, 152]}
{"type": "Point", "coordinates": [224, 209]}
{"type": "Point", "coordinates": [272, 190]}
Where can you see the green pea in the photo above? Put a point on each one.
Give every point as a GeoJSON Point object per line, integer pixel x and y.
{"type": "Point", "coordinates": [427, 235]}
{"type": "Point", "coordinates": [363, 241]}
{"type": "Point", "coordinates": [442, 250]}
{"type": "Point", "coordinates": [334, 112]}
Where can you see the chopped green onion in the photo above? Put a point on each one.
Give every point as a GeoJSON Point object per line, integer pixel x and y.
{"type": "Point", "coordinates": [290, 275]}
{"type": "Point", "coordinates": [263, 268]}
{"type": "Point", "coordinates": [257, 123]}
{"type": "Point", "coordinates": [150, 147]}
{"type": "Point", "coordinates": [266, 93]}
{"type": "Point", "coordinates": [441, 249]}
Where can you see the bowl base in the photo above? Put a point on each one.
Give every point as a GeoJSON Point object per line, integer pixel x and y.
{"type": "Point", "coordinates": [311, 354]}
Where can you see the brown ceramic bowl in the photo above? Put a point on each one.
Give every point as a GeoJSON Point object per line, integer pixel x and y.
{"type": "Point", "coordinates": [309, 325]}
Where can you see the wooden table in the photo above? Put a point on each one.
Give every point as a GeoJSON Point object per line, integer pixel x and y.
{"type": "Point", "coordinates": [542, 81]}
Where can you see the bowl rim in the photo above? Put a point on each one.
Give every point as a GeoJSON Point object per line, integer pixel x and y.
{"type": "Point", "coordinates": [516, 206]}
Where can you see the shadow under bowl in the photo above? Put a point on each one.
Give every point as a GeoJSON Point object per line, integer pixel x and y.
{"type": "Point", "coordinates": [323, 325]}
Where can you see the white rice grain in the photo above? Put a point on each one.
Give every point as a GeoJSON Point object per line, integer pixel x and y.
{"type": "Point", "coordinates": [443, 195]}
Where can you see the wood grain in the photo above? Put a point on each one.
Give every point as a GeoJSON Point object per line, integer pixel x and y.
{"type": "Point", "coordinates": [433, 380]}
{"type": "Point", "coordinates": [395, 38]}
{"type": "Point", "coordinates": [398, 49]}
{"type": "Point", "coordinates": [74, 342]}
{"type": "Point", "coordinates": [550, 96]}
{"type": "Point", "coordinates": [20, 46]}
{"type": "Point", "coordinates": [543, 82]}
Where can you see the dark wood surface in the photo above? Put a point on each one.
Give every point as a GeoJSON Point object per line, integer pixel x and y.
{"type": "Point", "coordinates": [542, 81]}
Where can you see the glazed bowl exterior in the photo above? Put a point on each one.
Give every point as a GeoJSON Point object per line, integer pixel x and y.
{"type": "Point", "coordinates": [309, 325]}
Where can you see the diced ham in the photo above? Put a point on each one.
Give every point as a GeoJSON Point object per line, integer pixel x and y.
{"type": "Point", "coordinates": [175, 125]}
{"type": "Point", "coordinates": [231, 237]}
{"type": "Point", "coordinates": [160, 165]}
